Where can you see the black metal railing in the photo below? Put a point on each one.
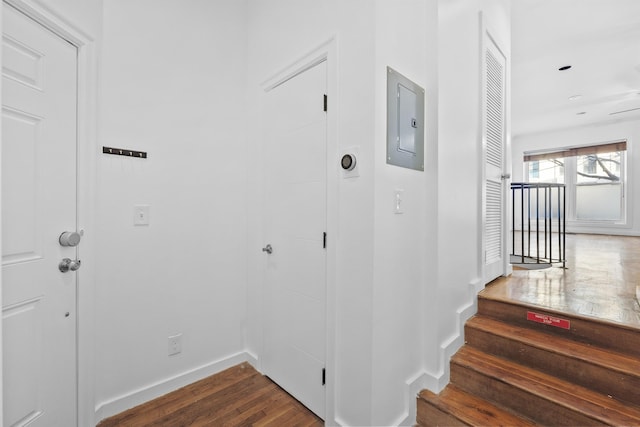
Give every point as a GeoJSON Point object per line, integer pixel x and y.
{"type": "Point", "coordinates": [538, 214]}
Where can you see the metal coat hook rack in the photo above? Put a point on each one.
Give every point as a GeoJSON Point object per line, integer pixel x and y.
{"type": "Point", "coordinates": [124, 152]}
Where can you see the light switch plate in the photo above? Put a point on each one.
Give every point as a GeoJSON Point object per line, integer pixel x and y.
{"type": "Point", "coordinates": [174, 344]}
{"type": "Point", "coordinates": [141, 215]}
{"type": "Point", "coordinates": [398, 198]}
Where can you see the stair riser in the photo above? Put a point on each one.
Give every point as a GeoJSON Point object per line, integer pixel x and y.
{"type": "Point", "coordinates": [429, 415]}
{"type": "Point", "coordinates": [620, 386]}
{"type": "Point", "coordinates": [610, 337]}
{"type": "Point", "coordinates": [517, 400]}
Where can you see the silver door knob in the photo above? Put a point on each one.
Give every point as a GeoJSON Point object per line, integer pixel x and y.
{"type": "Point", "coordinates": [268, 249]}
{"type": "Point", "coordinates": [70, 238]}
{"type": "Point", "coordinates": [69, 265]}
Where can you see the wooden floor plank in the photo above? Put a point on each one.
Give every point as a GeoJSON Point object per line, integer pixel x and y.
{"type": "Point", "coordinates": [172, 402]}
{"type": "Point", "coordinates": [252, 410]}
{"type": "Point", "coordinates": [601, 280]}
{"type": "Point", "coordinates": [238, 396]}
{"type": "Point", "coordinates": [210, 406]}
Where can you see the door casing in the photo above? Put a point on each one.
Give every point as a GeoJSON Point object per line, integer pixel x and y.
{"type": "Point", "coordinates": [327, 51]}
{"type": "Point", "coordinates": [487, 35]}
{"type": "Point", "coordinates": [59, 23]}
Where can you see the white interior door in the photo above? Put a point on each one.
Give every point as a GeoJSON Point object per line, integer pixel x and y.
{"type": "Point", "coordinates": [38, 204]}
{"type": "Point", "coordinates": [494, 148]}
{"type": "Point", "coordinates": [295, 223]}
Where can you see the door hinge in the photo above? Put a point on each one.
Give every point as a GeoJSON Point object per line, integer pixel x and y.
{"type": "Point", "coordinates": [324, 240]}
{"type": "Point", "coordinates": [325, 103]}
{"type": "Point", "coordinates": [324, 376]}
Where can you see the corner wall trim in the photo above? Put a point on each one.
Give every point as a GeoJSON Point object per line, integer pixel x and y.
{"type": "Point", "coordinates": [144, 394]}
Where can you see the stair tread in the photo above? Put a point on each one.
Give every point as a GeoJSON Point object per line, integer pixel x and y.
{"type": "Point", "coordinates": [606, 358]}
{"type": "Point", "coordinates": [471, 409]}
{"type": "Point", "coordinates": [590, 403]}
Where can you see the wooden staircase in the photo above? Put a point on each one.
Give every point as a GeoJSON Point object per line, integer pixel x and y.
{"type": "Point", "coordinates": [569, 371]}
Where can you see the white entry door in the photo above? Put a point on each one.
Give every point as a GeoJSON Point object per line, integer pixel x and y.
{"type": "Point", "coordinates": [494, 149]}
{"type": "Point", "coordinates": [295, 223]}
{"type": "Point", "coordinates": [38, 205]}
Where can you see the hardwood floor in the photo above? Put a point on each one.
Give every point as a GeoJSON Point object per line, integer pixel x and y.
{"type": "Point", "coordinates": [238, 396]}
{"type": "Point", "coordinates": [602, 280]}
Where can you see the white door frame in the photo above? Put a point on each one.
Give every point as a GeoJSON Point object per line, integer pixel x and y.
{"type": "Point", "coordinates": [86, 148]}
{"type": "Point", "coordinates": [488, 35]}
{"type": "Point", "coordinates": [326, 51]}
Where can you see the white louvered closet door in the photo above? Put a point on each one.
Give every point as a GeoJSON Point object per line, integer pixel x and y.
{"type": "Point", "coordinates": [494, 148]}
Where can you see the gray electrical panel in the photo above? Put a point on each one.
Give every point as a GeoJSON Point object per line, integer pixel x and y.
{"type": "Point", "coordinates": [405, 122]}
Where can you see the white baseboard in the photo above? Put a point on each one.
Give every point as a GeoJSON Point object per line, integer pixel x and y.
{"type": "Point", "coordinates": [136, 397]}
{"type": "Point", "coordinates": [413, 387]}
{"type": "Point", "coordinates": [337, 422]}
{"type": "Point", "coordinates": [252, 360]}
{"type": "Point", "coordinates": [436, 382]}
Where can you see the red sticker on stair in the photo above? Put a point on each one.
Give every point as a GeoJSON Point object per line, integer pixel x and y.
{"type": "Point", "coordinates": [548, 320]}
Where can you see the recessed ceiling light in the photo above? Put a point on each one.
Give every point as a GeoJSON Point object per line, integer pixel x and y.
{"type": "Point", "coordinates": [564, 68]}
{"type": "Point", "coordinates": [581, 113]}
{"type": "Point", "coordinates": [574, 97]}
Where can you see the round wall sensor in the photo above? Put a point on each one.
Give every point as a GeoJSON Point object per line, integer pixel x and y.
{"type": "Point", "coordinates": [348, 162]}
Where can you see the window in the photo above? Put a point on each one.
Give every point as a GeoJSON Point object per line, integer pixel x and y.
{"type": "Point", "coordinates": [588, 163]}
{"type": "Point", "coordinates": [534, 171]}
{"type": "Point", "coordinates": [549, 170]}
{"type": "Point", "coordinates": [598, 187]}
{"type": "Point", "coordinates": [594, 177]}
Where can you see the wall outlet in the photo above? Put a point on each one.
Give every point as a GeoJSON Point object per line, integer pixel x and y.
{"type": "Point", "coordinates": [141, 215]}
{"type": "Point", "coordinates": [175, 344]}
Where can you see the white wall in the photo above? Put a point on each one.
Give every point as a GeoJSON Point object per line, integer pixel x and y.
{"type": "Point", "coordinates": [589, 135]}
{"type": "Point", "coordinates": [405, 261]}
{"type": "Point", "coordinates": [173, 84]}
{"type": "Point", "coordinates": [459, 169]}
{"type": "Point", "coordinates": [396, 289]}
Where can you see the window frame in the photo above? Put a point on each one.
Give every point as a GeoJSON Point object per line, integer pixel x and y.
{"type": "Point", "coordinates": [570, 159]}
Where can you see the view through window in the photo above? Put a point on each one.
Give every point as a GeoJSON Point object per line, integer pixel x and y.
{"type": "Point", "coordinates": [594, 177]}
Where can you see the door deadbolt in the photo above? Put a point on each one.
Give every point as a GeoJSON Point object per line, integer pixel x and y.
{"type": "Point", "coordinates": [70, 238]}
{"type": "Point", "coordinates": [69, 265]}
